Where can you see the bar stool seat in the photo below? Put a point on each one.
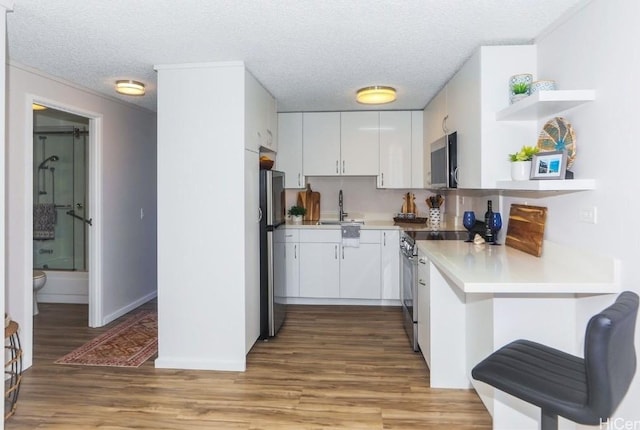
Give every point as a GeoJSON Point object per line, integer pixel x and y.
{"type": "Point", "coordinates": [586, 391]}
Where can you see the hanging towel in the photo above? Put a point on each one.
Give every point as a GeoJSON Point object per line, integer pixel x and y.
{"type": "Point", "coordinates": [44, 221]}
{"type": "Point", "coordinates": [351, 235]}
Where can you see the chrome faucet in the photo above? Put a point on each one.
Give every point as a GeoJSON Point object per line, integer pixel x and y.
{"type": "Point", "coordinates": [342, 213]}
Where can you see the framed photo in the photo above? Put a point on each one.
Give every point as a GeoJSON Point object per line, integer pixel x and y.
{"type": "Point", "coordinates": [549, 165]}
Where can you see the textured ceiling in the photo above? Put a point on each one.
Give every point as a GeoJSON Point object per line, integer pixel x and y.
{"type": "Point", "coordinates": [310, 54]}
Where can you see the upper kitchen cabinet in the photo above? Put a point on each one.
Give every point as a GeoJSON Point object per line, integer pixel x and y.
{"type": "Point", "coordinates": [321, 143]}
{"type": "Point", "coordinates": [474, 95]}
{"type": "Point", "coordinates": [261, 117]}
{"type": "Point", "coordinates": [395, 149]}
{"type": "Point", "coordinates": [359, 142]}
{"type": "Point", "coordinates": [289, 158]}
{"type": "Point", "coordinates": [435, 117]}
{"type": "Point", "coordinates": [418, 169]}
{"type": "Point", "coordinates": [340, 144]}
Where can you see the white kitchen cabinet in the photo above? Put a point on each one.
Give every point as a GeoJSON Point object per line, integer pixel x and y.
{"type": "Point", "coordinates": [424, 309]}
{"type": "Point", "coordinates": [321, 143]}
{"type": "Point", "coordinates": [319, 270]}
{"type": "Point", "coordinates": [418, 167]}
{"type": "Point", "coordinates": [260, 117]}
{"type": "Point", "coordinates": [360, 272]}
{"type": "Point", "coordinates": [435, 117]}
{"type": "Point", "coordinates": [359, 143]}
{"type": "Point", "coordinates": [319, 263]}
{"type": "Point", "coordinates": [286, 245]}
{"type": "Point", "coordinates": [289, 159]}
{"type": "Point", "coordinates": [390, 264]}
{"type": "Point", "coordinates": [360, 268]}
{"type": "Point", "coordinates": [395, 149]}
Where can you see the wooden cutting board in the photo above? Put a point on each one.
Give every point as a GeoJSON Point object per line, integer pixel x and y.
{"type": "Point", "coordinates": [310, 200]}
{"type": "Point", "coordinates": [526, 228]}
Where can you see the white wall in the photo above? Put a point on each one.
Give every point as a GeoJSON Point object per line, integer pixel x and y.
{"type": "Point", "coordinates": [201, 225]}
{"type": "Point", "coordinates": [127, 162]}
{"type": "Point", "coordinates": [596, 49]}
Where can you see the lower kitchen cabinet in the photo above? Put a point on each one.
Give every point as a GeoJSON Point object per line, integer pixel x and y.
{"type": "Point", "coordinates": [286, 244]}
{"type": "Point", "coordinates": [390, 264]}
{"type": "Point", "coordinates": [318, 266]}
{"type": "Point", "coordinates": [360, 272]}
{"type": "Point", "coordinates": [319, 270]}
{"type": "Point", "coordinates": [424, 309]}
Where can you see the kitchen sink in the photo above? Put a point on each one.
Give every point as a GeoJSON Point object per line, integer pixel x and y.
{"type": "Point", "coordinates": [336, 222]}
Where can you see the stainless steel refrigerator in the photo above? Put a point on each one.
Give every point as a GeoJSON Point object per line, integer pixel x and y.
{"type": "Point", "coordinates": [272, 216]}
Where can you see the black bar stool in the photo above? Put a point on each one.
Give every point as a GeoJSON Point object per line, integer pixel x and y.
{"type": "Point", "coordinates": [586, 391]}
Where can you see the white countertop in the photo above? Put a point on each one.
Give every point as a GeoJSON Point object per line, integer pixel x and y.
{"type": "Point", "coordinates": [446, 225]}
{"type": "Point", "coordinates": [502, 269]}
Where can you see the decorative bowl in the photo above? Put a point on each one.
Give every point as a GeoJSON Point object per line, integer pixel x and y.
{"type": "Point", "coordinates": [542, 86]}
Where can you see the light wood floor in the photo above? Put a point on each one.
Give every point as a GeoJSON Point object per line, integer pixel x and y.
{"type": "Point", "coordinates": [329, 368]}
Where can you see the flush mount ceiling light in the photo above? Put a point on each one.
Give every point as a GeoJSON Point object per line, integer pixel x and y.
{"type": "Point", "coordinates": [130, 88]}
{"type": "Point", "coordinates": [376, 95]}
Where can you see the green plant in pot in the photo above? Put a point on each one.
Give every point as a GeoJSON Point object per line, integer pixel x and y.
{"type": "Point", "coordinates": [520, 88]}
{"type": "Point", "coordinates": [526, 153]}
{"type": "Point", "coordinates": [521, 163]}
{"type": "Point", "coordinates": [297, 212]}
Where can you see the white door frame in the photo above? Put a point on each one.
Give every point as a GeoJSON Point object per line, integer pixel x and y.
{"type": "Point", "coordinates": [94, 232]}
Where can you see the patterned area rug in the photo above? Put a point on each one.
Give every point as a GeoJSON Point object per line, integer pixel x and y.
{"type": "Point", "coordinates": [129, 344]}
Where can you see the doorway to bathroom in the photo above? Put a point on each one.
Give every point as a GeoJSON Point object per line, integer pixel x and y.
{"type": "Point", "coordinates": [60, 205]}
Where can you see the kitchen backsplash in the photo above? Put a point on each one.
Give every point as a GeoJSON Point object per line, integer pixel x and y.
{"type": "Point", "coordinates": [363, 200]}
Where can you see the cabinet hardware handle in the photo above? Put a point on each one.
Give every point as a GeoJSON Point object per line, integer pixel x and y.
{"type": "Point", "coordinates": [335, 252]}
{"type": "Point", "coordinates": [337, 166]}
{"type": "Point", "coordinates": [343, 252]}
{"type": "Point", "coordinates": [382, 179]}
{"type": "Point", "coordinates": [343, 169]}
{"type": "Point", "coordinates": [270, 138]}
{"type": "Point", "coordinates": [295, 252]}
{"type": "Point", "coordinates": [421, 282]}
{"type": "Point", "coordinates": [384, 238]}
{"type": "Point", "coordinates": [299, 183]}
{"type": "Point", "coordinates": [444, 124]}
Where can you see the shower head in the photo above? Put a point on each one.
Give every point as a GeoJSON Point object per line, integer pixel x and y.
{"type": "Point", "coordinates": [52, 158]}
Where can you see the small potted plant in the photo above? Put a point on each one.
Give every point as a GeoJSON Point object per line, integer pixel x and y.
{"type": "Point", "coordinates": [296, 213]}
{"type": "Point", "coordinates": [520, 91]}
{"type": "Point", "coordinates": [521, 162]}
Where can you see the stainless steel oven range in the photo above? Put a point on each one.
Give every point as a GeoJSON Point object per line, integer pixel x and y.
{"type": "Point", "coordinates": [409, 275]}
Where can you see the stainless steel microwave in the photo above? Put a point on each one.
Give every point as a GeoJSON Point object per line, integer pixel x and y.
{"type": "Point", "coordinates": [444, 162]}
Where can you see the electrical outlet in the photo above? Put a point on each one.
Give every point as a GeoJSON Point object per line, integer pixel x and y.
{"type": "Point", "coordinates": [589, 215]}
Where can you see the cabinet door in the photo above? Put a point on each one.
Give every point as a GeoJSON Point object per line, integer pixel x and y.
{"type": "Point", "coordinates": [434, 117]}
{"type": "Point", "coordinates": [463, 104]}
{"type": "Point", "coordinates": [360, 272]}
{"type": "Point", "coordinates": [321, 143]}
{"type": "Point", "coordinates": [287, 275]}
{"type": "Point", "coordinates": [424, 309]}
{"type": "Point", "coordinates": [319, 270]}
{"type": "Point", "coordinates": [417, 146]}
{"type": "Point", "coordinates": [254, 113]}
{"type": "Point", "coordinates": [395, 149]}
{"type": "Point", "coordinates": [289, 159]}
{"type": "Point", "coordinates": [359, 139]}
{"type": "Point", "coordinates": [390, 267]}
{"type": "Point", "coordinates": [271, 122]}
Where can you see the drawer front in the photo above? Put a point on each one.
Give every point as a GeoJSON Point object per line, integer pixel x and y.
{"type": "Point", "coordinates": [320, 235]}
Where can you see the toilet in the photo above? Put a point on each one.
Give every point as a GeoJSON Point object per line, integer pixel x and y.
{"type": "Point", "coordinates": [39, 279]}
